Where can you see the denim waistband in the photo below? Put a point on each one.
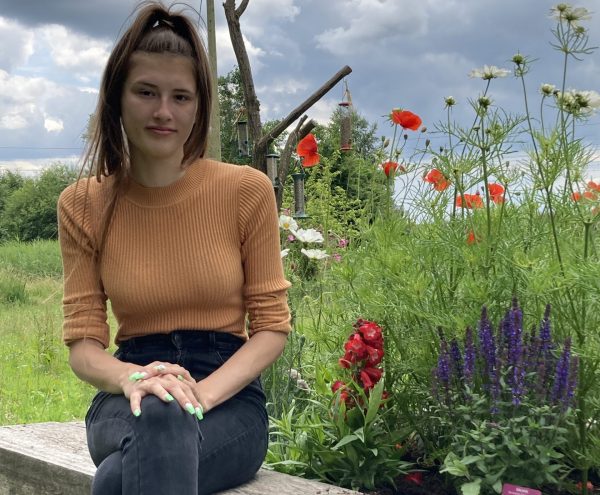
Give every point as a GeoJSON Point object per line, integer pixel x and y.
{"type": "Point", "coordinates": [182, 339]}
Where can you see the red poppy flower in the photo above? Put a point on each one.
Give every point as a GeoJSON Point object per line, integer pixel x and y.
{"type": "Point", "coordinates": [406, 119]}
{"type": "Point", "coordinates": [471, 201]}
{"type": "Point", "coordinates": [590, 195]}
{"type": "Point", "coordinates": [307, 149]}
{"type": "Point", "coordinates": [471, 239]}
{"type": "Point", "coordinates": [415, 477]}
{"type": "Point", "coordinates": [496, 192]}
{"type": "Point", "coordinates": [438, 179]}
{"type": "Point", "coordinates": [593, 185]}
{"type": "Point", "coordinates": [389, 168]}
{"type": "Point", "coordinates": [576, 196]}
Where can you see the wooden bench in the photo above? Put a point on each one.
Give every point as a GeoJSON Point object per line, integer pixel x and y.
{"type": "Point", "coordinates": [52, 459]}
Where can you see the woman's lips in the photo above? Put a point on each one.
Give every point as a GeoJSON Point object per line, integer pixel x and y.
{"type": "Point", "coordinates": [163, 131]}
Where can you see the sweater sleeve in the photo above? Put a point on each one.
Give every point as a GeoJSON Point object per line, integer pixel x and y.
{"type": "Point", "coordinates": [84, 300]}
{"type": "Point", "coordinates": [265, 287]}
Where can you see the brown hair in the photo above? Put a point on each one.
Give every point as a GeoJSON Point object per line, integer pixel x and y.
{"type": "Point", "coordinates": [155, 29]}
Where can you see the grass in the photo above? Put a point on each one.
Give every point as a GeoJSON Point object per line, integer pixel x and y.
{"type": "Point", "coordinates": [36, 382]}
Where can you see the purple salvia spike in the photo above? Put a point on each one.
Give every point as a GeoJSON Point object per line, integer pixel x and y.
{"type": "Point", "coordinates": [561, 378]}
{"type": "Point", "coordinates": [469, 364]}
{"type": "Point", "coordinates": [456, 359]}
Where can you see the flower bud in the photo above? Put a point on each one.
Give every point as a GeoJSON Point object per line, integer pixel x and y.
{"type": "Point", "coordinates": [405, 137]}
{"type": "Point", "coordinates": [423, 129]}
{"type": "Point", "coordinates": [518, 59]}
{"type": "Point", "coordinates": [427, 143]}
{"type": "Point", "coordinates": [386, 143]}
{"type": "Point", "coordinates": [449, 101]}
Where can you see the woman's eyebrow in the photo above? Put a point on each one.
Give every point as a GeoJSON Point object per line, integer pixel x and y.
{"type": "Point", "coordinates": [151, 85]}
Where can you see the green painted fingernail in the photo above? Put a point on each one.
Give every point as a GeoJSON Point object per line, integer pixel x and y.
{"type": "Point", "coordinates": [137, 412]}
{"type": "Point", "coordinates": [199, 412]}
{"type": "Point", "coordinates": [169, 398]}
{"type": "Point", "coordinates": [180, 377]}
{"type": "Point", "coordinates": [134, 377]}
{"type": "Point", "coordinates": [190, 408]}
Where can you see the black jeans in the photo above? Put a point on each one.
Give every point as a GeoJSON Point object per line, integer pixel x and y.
{"type": "Point", "coordinates": [166, 450]}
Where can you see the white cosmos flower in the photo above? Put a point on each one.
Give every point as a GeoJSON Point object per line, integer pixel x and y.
{"type": "Point", "coordinates": [566, 12]}
{"type": "Point", "coordinates": [315, 254]}
{"type": "Point", "coordinates": [287, 223]}
{"type": "Point", "coordinates": [308, 235]}
{"type": "Point", "coordinates": [489, 72]}
{"type": "Point", "coordinates": [284, 253]}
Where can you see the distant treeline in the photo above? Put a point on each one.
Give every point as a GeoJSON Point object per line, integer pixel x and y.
{"type": "Point", "coordinates": [28, 204]}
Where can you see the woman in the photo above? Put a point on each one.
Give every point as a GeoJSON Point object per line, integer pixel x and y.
{"type": "Point", "coordinates": [187, 251]}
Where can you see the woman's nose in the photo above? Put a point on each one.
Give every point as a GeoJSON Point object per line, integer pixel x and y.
{"type": "Point", "coordinates": [163, 110]}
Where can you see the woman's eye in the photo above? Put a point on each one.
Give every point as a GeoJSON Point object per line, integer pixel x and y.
{"type": "Point", "coordinates": [182, 98]}
{"type": "Point", "coordinates": [145, 92]}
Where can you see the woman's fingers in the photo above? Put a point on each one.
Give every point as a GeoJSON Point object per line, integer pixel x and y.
{"type": "Point", "coordinates": [167, 388]}
{"type": "Point", "coordinates": [164, 368]}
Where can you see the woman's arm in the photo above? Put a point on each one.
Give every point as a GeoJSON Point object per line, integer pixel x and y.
{"type": "Point", "coordinates": [245, 365]}
{"type": "Point", "coordinates": [91, 363]}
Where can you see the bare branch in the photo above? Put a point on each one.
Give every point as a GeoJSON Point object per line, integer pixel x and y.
{"type": "Point", "coordinates": [240, 10]}
{"type": "Point", "coordinates": [286, 155]}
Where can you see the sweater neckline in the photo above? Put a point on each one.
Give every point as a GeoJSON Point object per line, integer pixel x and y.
{"type": "Point", "coordinates": [171, 194]}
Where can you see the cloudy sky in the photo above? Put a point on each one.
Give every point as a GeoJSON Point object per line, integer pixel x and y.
{"type": "Point", "coordinates": [404, 53]}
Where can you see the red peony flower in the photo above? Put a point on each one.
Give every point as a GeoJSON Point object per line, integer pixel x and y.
{"type": "Point", "coordinates": [415, 477]}
{"type": "Point", "coordinates": [307, 149]}
{"type": "Point", "coordinates": [406, 119]}
{"type": "Point", "coordinates": [496, 192]}
{"type": "Point", "coordinates": [437, 178]}
{"type": "Point", "coordinates": [471, 201]}
{"type": "Point", "coordinates": [389, 168]}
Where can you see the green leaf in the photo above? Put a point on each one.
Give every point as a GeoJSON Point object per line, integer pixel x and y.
{"type": "Point", "coordinates": [374, 402]}
{"type": "Point", "coordinates": [471, 488]}
{"type": "Point", "coordinates": [344, 441]}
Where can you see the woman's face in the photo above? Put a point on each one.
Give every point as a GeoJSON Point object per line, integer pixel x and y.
{"type": "Point", "coordinates": [158, 106]}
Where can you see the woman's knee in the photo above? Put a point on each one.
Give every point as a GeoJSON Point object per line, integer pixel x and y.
{"type": "Point", "coordinates": [108, 477]}
{"type": "Point", "coordinates": [159, 416]}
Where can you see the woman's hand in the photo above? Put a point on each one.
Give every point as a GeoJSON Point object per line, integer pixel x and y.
{"type": "Point", "coordinates": [167, 381]}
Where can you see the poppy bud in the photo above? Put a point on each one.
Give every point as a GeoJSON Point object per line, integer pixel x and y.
{"type": "Point", "coordinates": [427, 143]}
{"type": "Point", "coordinates": [386, 143]}
{"type": "Point", "coordinates": [405, 137]}
{"type": "Point", "coordinates": [423, 129]}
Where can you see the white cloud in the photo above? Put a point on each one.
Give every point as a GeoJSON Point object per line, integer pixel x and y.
{"type": "Point", "coordinates": [35, 166]}
{"type": "Point", "coordinates": [226, 55]}
{"type": "Point", "coordinates": [288, 86]}
{"type": "Point", "coordinates": [23, 100]}
{"type": "Point", "coordinates": [373, 24]}
{"type": "Point", "coordinates": [83, 55]}
{"type": "Point", "coordinates": [263, 11]}
{"type": "Point", "coordinates": [53, 125]}
{"type": "Point", "coordinates": [17, 44]}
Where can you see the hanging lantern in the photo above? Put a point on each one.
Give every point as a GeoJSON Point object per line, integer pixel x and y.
{"type": "Point", "coordinates": [346, 121]}
{"type": "Point", "coordinates": [299, 202]}
{"type": "Point", "coordinates": [243, 138]}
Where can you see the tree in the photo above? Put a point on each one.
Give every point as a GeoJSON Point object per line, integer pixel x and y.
{"type": "Point", "coordinates": [262, 140]}
{"type": "Point", "coordinates": [30, 211]}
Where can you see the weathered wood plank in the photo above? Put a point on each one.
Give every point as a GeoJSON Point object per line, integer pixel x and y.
{"type": "Point", "coordinates": [52, 459]}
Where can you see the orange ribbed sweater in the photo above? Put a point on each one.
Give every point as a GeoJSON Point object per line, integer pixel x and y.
{"type": "Point", "coordinates": [202, 253]}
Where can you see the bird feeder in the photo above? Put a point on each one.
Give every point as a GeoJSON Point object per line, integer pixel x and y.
{"type": "Point", "coordinates": [299, 202]}
{"type": "Point", "coordinates": [243, 138]}
{"type": "Point", "coordinates": [272, 161]}
{"type": "Point", "coordinates": [346, 121]}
